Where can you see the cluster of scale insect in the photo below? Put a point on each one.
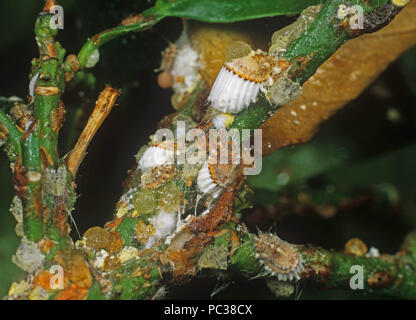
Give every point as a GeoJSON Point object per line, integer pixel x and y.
{"type": "Point", "coordinates": [237, 86]}
{"type": "Point", "coordinates": [161, 191]}
{"type": "Point", "coordinates": [171, 192]}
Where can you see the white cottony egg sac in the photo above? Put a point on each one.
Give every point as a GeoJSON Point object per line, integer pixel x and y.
{"type": "Point", "coordinates": [164, 224]}
{"type": "Point", "coordinates": [231, 93]}
{"type": "Point", "coordinates": [155, 156]}
{"type": "Point", "coordinates": [185, 67]}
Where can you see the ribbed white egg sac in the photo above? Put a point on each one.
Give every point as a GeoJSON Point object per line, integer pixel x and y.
{"type": "Point", "coordinates": [231, 93]}
{"type": "Point", "coordinates": [205, 182]}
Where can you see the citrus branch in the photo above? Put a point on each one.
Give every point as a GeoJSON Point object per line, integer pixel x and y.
{"type": "Point", "coordinates": [384, 274]}
{"type": "Point", "coordinates": [134, 23]}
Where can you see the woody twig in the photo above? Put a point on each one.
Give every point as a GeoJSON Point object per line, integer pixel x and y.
{"type": "Point", "coordinates": [103, 107]}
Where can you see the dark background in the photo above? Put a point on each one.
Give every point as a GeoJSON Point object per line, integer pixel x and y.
{"type": "Point", "coordinates": [376, 155]}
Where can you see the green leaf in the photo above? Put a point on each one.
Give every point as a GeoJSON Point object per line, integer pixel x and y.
{"type": "Point", "coordinates": [230, 10]}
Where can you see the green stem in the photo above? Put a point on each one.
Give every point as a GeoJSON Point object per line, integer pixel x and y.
{"type": "Point", "coordinates": [41, 135]}
{"type": "Point", "coordinates": [389, 275]}
{"type": "Point", "coordinates": [32, 219]}
{"type": "Point", "coordinates": [44, 107]}
{"type": "Point", "coordinates": [148, 19]}
{"type": "Point", "coordinates": [52, 82]}
{"type": "Point", "coordinates": [323, 37]}
{"type": "Point", "coordinates": [31, 151]}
